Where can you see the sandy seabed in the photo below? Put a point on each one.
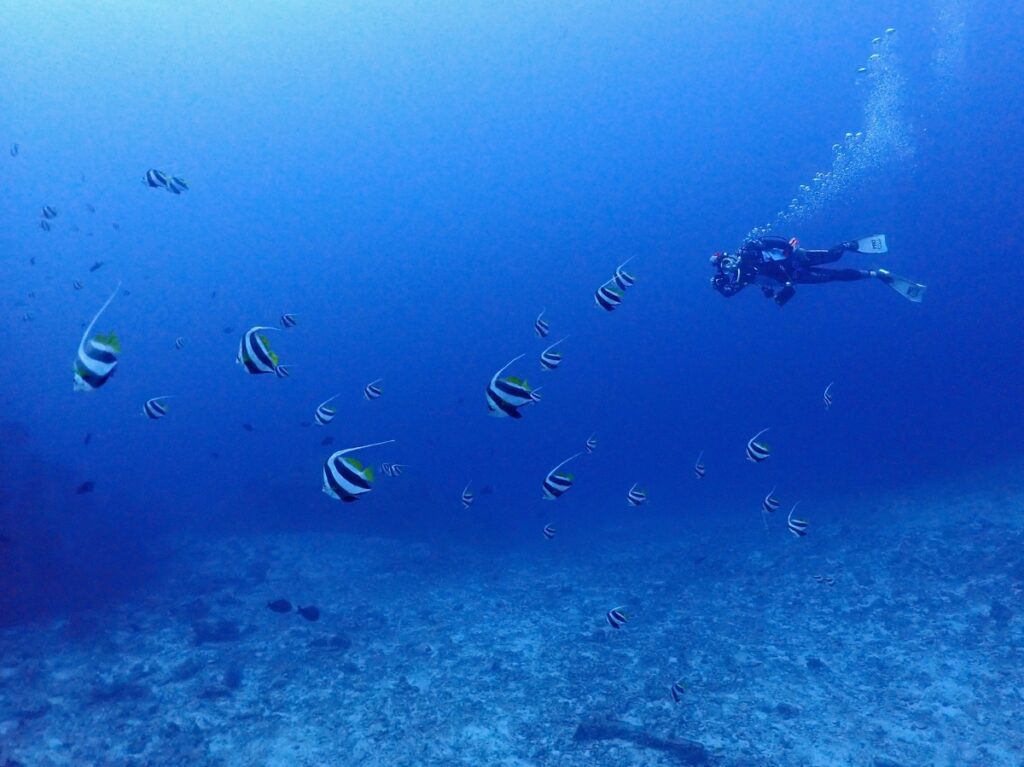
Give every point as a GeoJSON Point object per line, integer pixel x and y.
{"type": "Point", "coordinates": [430, 655]}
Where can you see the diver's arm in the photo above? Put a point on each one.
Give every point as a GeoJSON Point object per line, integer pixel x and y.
{"type": "Point", "coordinates": [783, 296]}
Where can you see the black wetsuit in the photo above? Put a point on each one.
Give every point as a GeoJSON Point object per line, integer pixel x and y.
{"type": "Point", "coordinates": [775, 264]}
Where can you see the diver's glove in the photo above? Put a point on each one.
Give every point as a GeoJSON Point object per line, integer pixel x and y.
{"type": "Point", "coordinates": [785, 294]}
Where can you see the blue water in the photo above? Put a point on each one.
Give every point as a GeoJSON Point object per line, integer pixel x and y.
{"type": "Point", "coordinates": [416, 183]}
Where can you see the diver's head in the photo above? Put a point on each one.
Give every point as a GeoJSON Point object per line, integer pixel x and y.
{"type": "Point", "coordinates": [725, 262]}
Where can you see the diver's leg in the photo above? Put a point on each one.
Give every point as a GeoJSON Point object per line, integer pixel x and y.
{"type": "Point", "coordinates": [816, 257]}
{"type": "Point", "coordinates": [821, 276]}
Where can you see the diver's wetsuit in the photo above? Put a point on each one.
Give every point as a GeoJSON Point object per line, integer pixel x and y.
{"type": "Point", "coordinates": [775, 264]}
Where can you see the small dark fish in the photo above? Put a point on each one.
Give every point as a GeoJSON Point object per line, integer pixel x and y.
{"type": "Point", "coordinates": [486, 490]}
{"type": "Point", "coordinates": [228, 330]}
{"type": "Point", "coordinates": [327, 441]}
{"type": "Point", "coordinates": [215, 456]}
{"type": "Point", "coordinates": [14, 150]}
{"type": "Point", "coordinates": [280, 606]}
{"type": "Point", "coordinates": [90, 208]}
{"type": "Point", "coordinates": [126, 292]}
{"type": "Point", "coordinates": [213, 294]}
{"type": "Point", "coordinates": [86, 487]}
{"type": "Point", "coordinates": [88, 438]}
{"type": "Point", "coordinates": [309, 612]}
{"type": "Point", "coordinates": [32, 260]}
{"type": "Point", "coordinates": [4, 540]}
{"type": "Point", "coordinates": [117, 227]}
{"type": "Point", "coordinates": [95, 266]}
{"type": "Point", "coordinates": [247, 426]}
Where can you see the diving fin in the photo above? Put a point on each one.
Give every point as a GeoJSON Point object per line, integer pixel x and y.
{"type": "Point", "coordinates": [873, 244]}
{"type": "Point", "coordinates": [910, 290]}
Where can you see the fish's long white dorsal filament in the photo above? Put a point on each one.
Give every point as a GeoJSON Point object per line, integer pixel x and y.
{"type": "Point", "coordinates": [364, 447]}
{"type": "Point", "coordinates": [556, 343]}
{"type": "Point", "coordinates": [505, 367]}
{"type": "Point", "coordinates": [88, 329]}
{"type": "Point", "coordinates": [559, 466]}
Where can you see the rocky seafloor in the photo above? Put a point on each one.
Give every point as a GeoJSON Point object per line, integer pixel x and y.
{"type": "Point", "coordinates": [431, 655]}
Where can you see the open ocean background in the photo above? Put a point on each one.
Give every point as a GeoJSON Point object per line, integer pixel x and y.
{"type": "Point", "coordinates": [416, 182]}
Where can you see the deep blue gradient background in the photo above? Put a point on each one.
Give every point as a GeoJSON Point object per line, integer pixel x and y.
{"type": "Point", "coordinates": [417, 183]}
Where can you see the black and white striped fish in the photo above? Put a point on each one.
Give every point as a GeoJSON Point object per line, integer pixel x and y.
{"type": "Point", "coordinates": [541, 326]}
{"type": "Point", "coordinates": [617, 618]}
{"type": "Point", "coordinates": [549, 531]}
{"type": "Point", "coordinates": [623, 279]}
{"type": "Point", "coordinates": [770, 502]}
{"type": "Point", "coordinates": [828, 580]}
{"type": "Point", "coordinates": [77, 284]}
{"type": "Point", "coordinates": [179, 342]}
{"type": "Point", "coordinates": [345, 478]}
{"type": "Point", "coordinates": [757, 451]}
{"type": "Point", "coordinates": [254, 352]}
{"type": "Point", "coordinates": [45, 225]}
{"type": "Point", "coordinates": [827, 396]}
{"type": "Point", "coordinates": [97, 356]}
{"type": "Point", "coordinates": [467, 496]}
{"type": "Point", "coordinates": [678, 691]}
{"type": "Point", "coordinates": [49, 211]}
{"type": "Point", "coordinates": [392, 469]}
{"type": "Point", "coordinates": [156, 179]}
{"type": "Point", "coordinates": [283, 371]}
{"type": "Point", "coordinates": [550, 359]}
{"type": "Point", "coordinates": [607, 297]}
{"type": "Point", "coordinates": [177, 185]}
{"type": "Point", "coordinates": [699, 469]}
{"type": "Point", "coordinates": [591, 443]}
{"type": "Point", "coordinates": [506, 395]}
{"type": "Point", "coordinates": [288, 320]}
{"type": "Point", "coordinates": [555, 484]}
{"type": "Point", "coordinates": [156, 408]}
{"type": "Point", "coordinates": [796, 526]}
{"type": "Point", "coordinates": [373, 390]}
{"type": "Point", "coordinates": [325, 412]}
{"type": "Point", "coordinates": [636, 496]}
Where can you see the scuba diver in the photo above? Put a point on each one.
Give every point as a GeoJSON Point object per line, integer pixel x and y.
{"type": "Point", "coordinates": [777, 264]}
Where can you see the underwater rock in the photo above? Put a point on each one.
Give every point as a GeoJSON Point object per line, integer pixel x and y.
{"type": "Point", "coordinates": [688, 752]}
{"type": "Point", "coordinates": [108, 690]}
{"type": "Point", "coordinates": [216, 631]}
{"type": "Point", "coordinates": [787, 710]}
{"type": "Point", "coordinates": [1000, 613]}
{"type": "Point", "coordinates": [884, 761]}
{"type": "Point", "coordinates": [185, 670]}
{"type": "Point", "coordinates": [337, 643]}
{"type": "Point", "coordinates": [816, 664]}
{"type": "Point", "coordinates": [232, 678]}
